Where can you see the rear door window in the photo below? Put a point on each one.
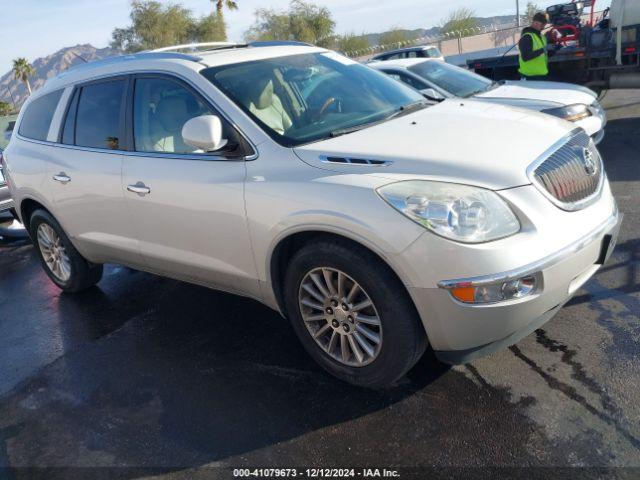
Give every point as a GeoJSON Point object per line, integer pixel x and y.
{"type": "Point", "coordinates": [100, 115]}
{"type": "Point", "coordinates": [36, 119]}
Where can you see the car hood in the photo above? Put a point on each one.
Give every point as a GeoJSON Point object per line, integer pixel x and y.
{"type": "Point", "coordinates": [558, 93]}
{"type": "Point", "coordinates": [461, 141]}
{"type": "Point", "coordinates": [537, 105]}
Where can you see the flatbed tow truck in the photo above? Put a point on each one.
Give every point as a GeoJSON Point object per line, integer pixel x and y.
{"type": "Point", "coordinates": [601, 53]}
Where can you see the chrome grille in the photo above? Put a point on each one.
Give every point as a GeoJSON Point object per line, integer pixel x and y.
{"type": "Point", "coordinates": [572, 175]}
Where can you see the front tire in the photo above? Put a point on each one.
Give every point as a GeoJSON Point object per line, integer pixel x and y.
{"type": "Point", "coordinates": [60, 260]}
{"type": "Point", "coordinates": [352, 314]}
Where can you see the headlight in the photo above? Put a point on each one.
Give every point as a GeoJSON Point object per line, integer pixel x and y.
{"type": "Point", "coordinates": [458, 212]}
{"type": "Point", "coordinates": [572, 113]}
{"type": "Point", "coordinates": [597, 111]}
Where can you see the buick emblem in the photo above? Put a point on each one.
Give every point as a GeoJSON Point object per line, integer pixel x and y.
{"type": "Point", "coordinates": [588, 158]}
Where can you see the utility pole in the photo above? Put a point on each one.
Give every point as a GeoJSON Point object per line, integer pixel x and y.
{"type": "Point", "coordinates": [518, 13]}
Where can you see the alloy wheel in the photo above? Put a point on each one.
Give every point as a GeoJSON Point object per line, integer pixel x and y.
{"type": "Point", "coordinates": [340, 316]}
{"type": "Point", "coordinates": [53, 252]}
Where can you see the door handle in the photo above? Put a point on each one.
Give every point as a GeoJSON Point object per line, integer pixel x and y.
{"type": "Point", "coordinates": [62, 178]}
{"type": "Point", "coordinates": [139, 188]}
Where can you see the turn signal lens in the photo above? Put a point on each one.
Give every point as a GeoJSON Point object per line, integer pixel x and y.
{"type": "Point", "coordinates": [464, 294]}
{"type": "Point", "coordinates": [497, 292]}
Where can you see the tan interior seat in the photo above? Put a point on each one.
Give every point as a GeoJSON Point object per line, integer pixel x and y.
{"type": "Point", "coordinates": [166, 126]}
{"type": "Point", "coordinates": [267, 106]}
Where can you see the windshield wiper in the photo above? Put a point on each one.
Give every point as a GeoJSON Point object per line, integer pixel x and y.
{"type": "Point", "coordinates": [406, 109]}
{"type": "Point", "coordinates": [488, 88]}
{"type": "Point", "coordinates": [403, 110]}
{"type": "Point", "coordinates": [494, 85]}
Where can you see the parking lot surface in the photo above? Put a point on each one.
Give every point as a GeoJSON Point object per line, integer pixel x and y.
{"type": "Point", "coordinates": [142, 371]}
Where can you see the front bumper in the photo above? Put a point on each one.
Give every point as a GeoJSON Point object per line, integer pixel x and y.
{"type": "Point", "coordinates": [459, 332]}
{"type": "Point", "coordinates": [564, 273]}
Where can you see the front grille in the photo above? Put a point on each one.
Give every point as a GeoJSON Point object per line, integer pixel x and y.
{"type": "Point", "coordinates": [571, 176]}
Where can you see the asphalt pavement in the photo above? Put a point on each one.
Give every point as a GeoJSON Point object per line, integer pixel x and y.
{"type": "Point", "coordinates": [176, 381]}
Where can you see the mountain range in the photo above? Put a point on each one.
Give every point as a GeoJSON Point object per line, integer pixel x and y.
{"type": "Point", "coordinates": [14, 91]}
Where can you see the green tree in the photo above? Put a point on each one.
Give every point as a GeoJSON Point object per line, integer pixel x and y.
{"type": "Point", "coordinates": [461, 22]}
{"type": "Point", "coordinates": [22, 70]}
{"type": "Point", "coordinates": [269, 25]}
{"type": "Point", "coordinates": [154, 25]}
{"type": "Point", "coordinates": [210, 29]}
{"type": "Point", "coordinates": [351, 43]}
{"type": "Point", "coordinates": [304, 21]}
{"type": "Point", "coordinates": [5, 109]}
{"type": "Point", "coordinates": [393, 38]}
{"type": "Point", "coordinates": [220, 4]}
{"type": "Point", "coordinates": [532, 9]}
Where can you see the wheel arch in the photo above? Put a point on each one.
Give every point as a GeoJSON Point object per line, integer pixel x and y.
{"type": "Point", "coordinates": [27, 207]}
{"type": "Point", "coordinates": [287, 246]}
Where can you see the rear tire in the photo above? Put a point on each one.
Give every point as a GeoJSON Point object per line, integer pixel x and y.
{"type": "Point", "coordinates": [391, 318]}
{"type": "Point", "coordinates": [60, 260]}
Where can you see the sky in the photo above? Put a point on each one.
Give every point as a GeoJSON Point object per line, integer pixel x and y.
{"type": "Point", "coordinates": [37, 28]}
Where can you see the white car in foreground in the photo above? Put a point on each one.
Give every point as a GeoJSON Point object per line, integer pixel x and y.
{"type": "Point", "coordinates": [439, 80]}
{"type": "Point", "coordinates": [379, 223]}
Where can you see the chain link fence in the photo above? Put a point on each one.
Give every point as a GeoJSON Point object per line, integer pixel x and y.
{"type": "Point", "coordinates": [451, 43]}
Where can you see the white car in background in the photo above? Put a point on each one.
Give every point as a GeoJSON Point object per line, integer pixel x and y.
{"type": "Point", "coordinates": [5, 196]}
{"type": "Point", "coordinates": [439, 80]}
{"type": "Point", "coordinates": [423, 51]}
{"type": "Point", "coordinates": [9, 130]}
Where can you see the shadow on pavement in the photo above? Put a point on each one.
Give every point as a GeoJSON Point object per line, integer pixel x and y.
{"type": "Point", "coordinates": [622, 146]}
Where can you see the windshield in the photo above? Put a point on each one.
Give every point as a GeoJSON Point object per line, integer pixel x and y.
{"type": "Point", "coordinates": [303, 98]}
{"type": "Point", "coordinates": [454, 80]}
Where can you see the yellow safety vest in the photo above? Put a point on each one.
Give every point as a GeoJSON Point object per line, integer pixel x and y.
{"type": "Point", "coordinates": [539, 66]}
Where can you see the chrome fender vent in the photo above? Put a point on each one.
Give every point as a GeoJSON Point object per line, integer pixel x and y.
{"type": "Point", "coordinates": [355, 161]}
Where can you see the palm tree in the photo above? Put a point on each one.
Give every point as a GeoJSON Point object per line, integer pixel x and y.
{"type": "Point", "coordinates": [230, 4]}
{"type": "Point", "coordinates": [22, 70]}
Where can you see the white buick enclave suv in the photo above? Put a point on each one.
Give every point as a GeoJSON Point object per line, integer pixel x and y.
{"type": "Point", "coordinates": [377, 222]}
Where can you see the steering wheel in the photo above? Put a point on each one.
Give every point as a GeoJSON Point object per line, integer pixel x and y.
{"type": "Point", "coordinates": [325, 106]}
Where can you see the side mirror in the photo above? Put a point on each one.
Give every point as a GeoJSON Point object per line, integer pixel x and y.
{"type": "Point", "coordinates": [432, 94]}
{"type": "Point", "coordinates": [204, 132]}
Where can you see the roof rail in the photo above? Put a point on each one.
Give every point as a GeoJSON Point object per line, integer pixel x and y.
{"type": "Point", "coordinates": [124, 58]}
{"type": "Point", "coordinates": [193, 46]}
{"type": "Point", "coordinates": [170, 53]}
{"type": "Point", "coordinates": [278, 43]}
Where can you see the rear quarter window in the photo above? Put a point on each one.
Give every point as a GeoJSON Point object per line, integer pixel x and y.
{"type": "Point", "coordinates": [36, 119]}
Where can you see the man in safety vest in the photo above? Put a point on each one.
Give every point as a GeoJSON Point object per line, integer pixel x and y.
{"type": "Point", "coordinates": [534, 53]}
